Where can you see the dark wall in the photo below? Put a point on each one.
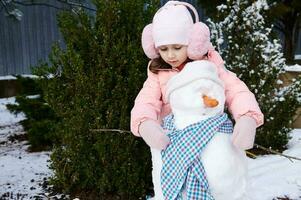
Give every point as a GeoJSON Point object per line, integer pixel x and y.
{"type": "Point", "coordinates": [26, 41]}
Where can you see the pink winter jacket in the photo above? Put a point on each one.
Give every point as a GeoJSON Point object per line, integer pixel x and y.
{"type": "Point", "coordinates": [151, 101]}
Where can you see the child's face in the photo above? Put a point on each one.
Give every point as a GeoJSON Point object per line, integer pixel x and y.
{"type": "Point", "coordinates": [173, 54]}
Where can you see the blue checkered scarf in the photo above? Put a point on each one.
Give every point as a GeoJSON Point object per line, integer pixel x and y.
{"type": "Point", "coordinates": [182, 166]}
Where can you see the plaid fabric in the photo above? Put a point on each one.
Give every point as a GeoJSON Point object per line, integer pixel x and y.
{"type": "Point", "coordinates": [182, 167]}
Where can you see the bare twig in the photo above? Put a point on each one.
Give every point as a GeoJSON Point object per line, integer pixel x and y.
{"type": "Point", "coordinates": [41, 3]}
{"type": "Point", "coordinates": [251, 154]}
{"type": "Point", "coordinates": [37, 4]}
{"type": "Point", "coordinates": [277, 152]}
{"type": "Point", "coordinates": [67, 2]}
{"type": "Point", "coordinates": [110, 130]}
{"type": "Point", "coordinates": [3, 6]}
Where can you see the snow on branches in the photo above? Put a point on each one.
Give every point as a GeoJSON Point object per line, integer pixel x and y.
{"type": "Point", "coordinates": [249, 47]}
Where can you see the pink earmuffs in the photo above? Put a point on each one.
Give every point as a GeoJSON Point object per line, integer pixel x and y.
{"type": "Point", "coordinates": [198, 33]}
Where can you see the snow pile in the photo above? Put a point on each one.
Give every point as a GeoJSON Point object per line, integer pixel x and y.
{"type": "Point", "coordinates": [293, 68]}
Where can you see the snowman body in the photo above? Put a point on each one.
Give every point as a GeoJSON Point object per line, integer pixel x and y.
{"type": "Point", "coordinates": [225, 165]}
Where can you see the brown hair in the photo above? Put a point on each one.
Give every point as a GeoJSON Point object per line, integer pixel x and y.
{"type": "Point", "coordinates": [158, 64]}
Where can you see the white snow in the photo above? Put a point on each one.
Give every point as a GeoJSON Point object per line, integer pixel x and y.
{"type": "Point", "coordinates": [293, 68]}
{"type": "Point", "coordinates": [6, 118]}
{"type": "Point", "coordinates": [21, 172]}
{"type": "Point", "coordinates": [276, 176]}
{"type": "Point", "coordinates": [271, 176]}
{"type": "Point", "coordinates": [10, 77]}
{"type": "Point", "coordinates": [297, 57]}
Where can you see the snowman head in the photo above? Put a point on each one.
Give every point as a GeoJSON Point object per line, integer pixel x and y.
{"type": "Point", "coordinates": [196, 90]}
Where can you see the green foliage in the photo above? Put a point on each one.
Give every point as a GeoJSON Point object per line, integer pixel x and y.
{"type": "Point", "coordinates": [28, 85]}
{"type": "Point", "coordinates": [246, 44]}
{"type": "Point", "coordinates": [40, 119]}
{"type": "Point", "coordinates": [92, 85]}
{"type": "Point", "coordinates": [284, 14]}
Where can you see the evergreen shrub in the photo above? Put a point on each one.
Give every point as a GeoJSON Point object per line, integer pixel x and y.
{"type": "Point", "coordinates": [90, 85]}
{"type": "Point", "coordinates": [246, 42]}
{"type": "Point", "coordinates": [40, 118]}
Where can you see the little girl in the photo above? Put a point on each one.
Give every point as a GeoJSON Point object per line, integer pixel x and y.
{"type": "Point", "coordinates": [172, 40]}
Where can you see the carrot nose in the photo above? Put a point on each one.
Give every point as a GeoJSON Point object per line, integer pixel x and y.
{"type": "Point", "coordinates": [209, 102]}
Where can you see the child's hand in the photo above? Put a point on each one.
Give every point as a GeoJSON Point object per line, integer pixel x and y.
{"type": "Point", "coordinates": [244, 132]}
{"type": "Point", "coordinates": [153, 134]}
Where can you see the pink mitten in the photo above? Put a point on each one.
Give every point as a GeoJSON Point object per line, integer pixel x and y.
{"type": "Point", "coordinates": [153, 134]}
{"type": "Point", "coordinates": [244, 132]}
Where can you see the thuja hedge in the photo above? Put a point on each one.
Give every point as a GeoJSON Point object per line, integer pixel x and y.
{"type": "Point", "coordinates": [39, 119]}
{"type": "Point", "coordinates": [91, 84]}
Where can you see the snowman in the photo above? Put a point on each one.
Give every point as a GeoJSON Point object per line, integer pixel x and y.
{"type": "Point", "coordinates": [197, 97]}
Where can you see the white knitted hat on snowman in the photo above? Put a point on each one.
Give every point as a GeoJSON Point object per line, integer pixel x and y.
{"type": "Point", "coordinates": [201, 69]}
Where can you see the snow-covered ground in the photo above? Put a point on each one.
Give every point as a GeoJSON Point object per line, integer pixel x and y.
{"type": "Point", "coordinates": [276, 176]}
{"type": "Point", "coordinates": [21, 172]}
